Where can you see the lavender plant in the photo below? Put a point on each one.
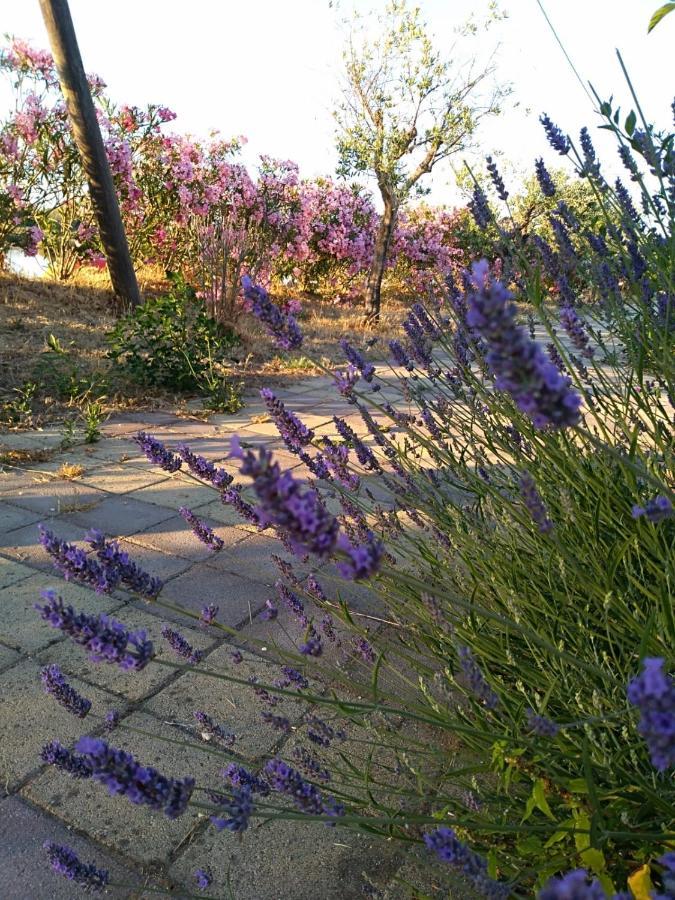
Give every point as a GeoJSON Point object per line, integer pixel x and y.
{"type": "Point", "coordinates": [508, 703]}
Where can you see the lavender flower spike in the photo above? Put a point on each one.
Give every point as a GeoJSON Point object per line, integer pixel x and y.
{"type": "Point", "coordinates": [202, 468]}
{"type": "Point", "coordinates": [157, 453]}
{"type": "Point", "coordinates": [445, 844]}
{"type": "Point", "coordinates": [120, 567]}
{"type": "Point", "coordinates": [653, 692]}
{"type": "Point", "coordinates": [307, 798]}
{"type": "Point", "coordinates": [203, 878]}
{"type": "Point", "coordinates": [106, 639]}
{"type": "Point", "coordinates": [143, 785]}
{"type": "Point", "coordinates": [210, 729]}
{"type": "Point", "coordinates": [201, 530]}
{"type": "Point", "coordinates": [55, 754]}
{"type": "Point", "coordinates": [556, 138]}
{"type": "Point", "coordinates": [519, 365]}
{"type": "Point", "coordinates": [56, 685]}
{"type": "Point", "coordinates": [238, 811]}
{"type": "Point", "coordinates": [475, 680]}
{"type": "Point", "coordinates": [75, 565]}
{"type": "Point", "coordinates": [655, 510]}
{"type": "Point", "coordinates": [293, 432]}
{"type": "Point", "coordinates": [66, 862]}
{"type": "Point", "coordinates": [180, 646]}
{"type": "Point", "coordinates": [576, 885]}
{"type": "Point", "coordinates": [282, 327]}
{"type": "Point", "coordinates": [534, 503]}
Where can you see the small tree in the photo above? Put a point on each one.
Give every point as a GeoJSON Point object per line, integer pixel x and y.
{"type": "Point", "coordinates": [406, 106]}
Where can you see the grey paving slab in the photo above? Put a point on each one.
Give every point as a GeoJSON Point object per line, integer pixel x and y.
{"type": "Point", "coordinates": [232, 705]}
{"type": "Point", "coordinates": [51, 498]}
{"type": "Point", "coordinates": [251, 558]}
{"type": "Point", "coordinates": [291, 862]}
{"type": "Point", "coordinates": [119, 515]}
{"type": "Point", "coordinates": [23, 544]}
{"type": "Point", "coordinates": [162, 565]}
{"type": "Point", "coordinates": [20, 624]}
{"type": "Point", "coordinates": [238, 598]}
{"type": "Point", "coordinates": [12, 571]}
{"type": "Point", "coordinates": [175, 536]}
{"type": "Point", "coordinates": [226, 515]}
{"type": "Point", "coordinates": [121, 478]}
{"type": "Point", "coordinates": [173, 492]}
{"type": "Point", "coordinates": [30, 718]}
{"type": "Point", "coordinates": [132, 685]}
{"type": "Point", "coordinates": [13, 517]}
{"type": "Point", "coordinates": [8, 657]}
{"type": "Point", "coordinates": [25, 872]}
{"type": "Point", "coordinates": [143, 835]}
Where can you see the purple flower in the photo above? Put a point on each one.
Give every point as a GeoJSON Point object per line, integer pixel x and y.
{"type": "Point", "coordinates": [64, 861]}
{"type": "Point", "coordinates": [75, 565]}
{"type": "Point", "coordinates": [365, 650]}
{"type": "Point", "coordinates": [123, 775]}
{"type": "Point", "coordinates": [237, 811]}
{"type": "Point", "coordinates": [311, 647]}
{"type": "Point", "coordinates": [282, 327]}
{"type": "Point", "coordinates": [56, 685]}
{"type": "Point", "coordinates": [204, 469]}
{"type": "Point", "coordinates": [337, 461]}
{"type": "Point", "coordinates": [181, 646]}
{"type": "Point", "coordinates": [653, 692]}
{"type": "Point", "coordinates": [293, 432]}
{"type": "Point", "coordinates": [203, 878]}
{"type": "Point", "coordinates": [157, 453]}
{"type": "Point", "coordinates": [238, 776]}
{"type": "Point", "coordinates": [306, 797]}
{"type": "Point", "coordinates": [497, 180]}
{"type": "Point", "coordinates": [55, 754]}
{"type": "Point", "coordinates": [535, 505]}
{"type": "Point", "coordinates": [201, 530]}
{"type": "Point", "coordinates": [541, 725]}
{"type": "Point", "coordinates": [576, 885]}
{"type": "Point", "coordinates": [445, 844]}
{"type": "Point", "coordinates": [209, 729]}
{"type": "Point", "coordinates": [545, 181]}
{"type": "Point", "coordinates": [112, 719]}
{"type": "Point", "coordinates": [295, 677]}
{"type": "Point", "coordinates": [346, 381]}
{"type": "Point", "coordinates": [270, 612]}
{"type": "Point", "coordinates": [363, 560]}
{"type": "Point", "coordinates": [400, 355]}
{"type": "Point", "coordinates": [292, 603]}
{"type": "Point", "coordinates": [278, 723]}
{"type": "Point", "coordinates": [518, 364]}
{"type": "Point", "coordinates": [284, 505]}
{"type": "Point", "coordinates": [120, 568]}
{"type": "Point", "coordinates": [363, 453]}
{"type": "Point", "coordinates": [236, 656]}
{"type": "Point", "coordinates": [208, 614]}
{"type": "Point", "coordinates": [655, 510]}
{"type": "Point", "coordinates": [310, 765]}
{"type": "Point", "coordinates": [232, 497]}
{"type": "Point", "coordinates": [105, 639]}
{"type": "Point", "coordinates": [353, 357]}
{"type": "Point", "coordinates": [419, 344]}
{"type": "Point", "coordinates": [321, 733]}
{"type": "Point", "coordinates": [475, 680]}
{"type": "Point", "coordinates": [556, 138]}
{"type": "Point", "coordinates": [667, 877]}
{"type": "Point", "coordinates": [574, 327]}
{"type": "Point", "coordinates": [480, 208]}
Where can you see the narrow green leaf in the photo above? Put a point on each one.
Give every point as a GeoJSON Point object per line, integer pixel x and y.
{"type": "Point", "coordinates": [630, 122]}
{"type": "Point", "coordinates": [660, 13]}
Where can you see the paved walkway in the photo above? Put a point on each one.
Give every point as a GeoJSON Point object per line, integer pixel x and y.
{"type": "Point", "coordinates": [119, 492]}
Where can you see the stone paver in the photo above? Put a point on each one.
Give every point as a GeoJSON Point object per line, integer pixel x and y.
{"type": "Point", "coordinates": [129, 499]}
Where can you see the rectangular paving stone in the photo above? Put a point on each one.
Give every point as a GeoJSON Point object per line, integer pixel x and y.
{"type": "Point", "coordinates": [13, 517]}
{"type": "Point", "coordinates": [51, 498]}
{"type": "Point", "coordinates": [12, 571]}
{"type": "Point", "coordinates": [175, 536]}
{"type": "Point", "coordinates": [30, 718]}
{"type": "Point", "coordinates": [120, 478]}
{"type": "Point", "coordinates": [121, 515]}
{"type": "Point", "coordinates": [162, 565]}
{"type": "Point", "coordinates": [232, 705]}
{"type": "Point", "coordinates": [24, 545]}
{"type": "Point", "coordinates": [251, 558]}
{"type": "Point", "coordinates": [143, 835]}
{"type": "Point", "coordinates": [131, 685]}
{"type": "Point", "coordinates": [238, 598]}
{"type": "Point", "coordinates": [173, 492]}
{"type": "Point", "coordinates": [26, 873]}
{"type": "Point", "coordinates": [8, 657]}
{"type": "Point", "coordinates": [20, 624]}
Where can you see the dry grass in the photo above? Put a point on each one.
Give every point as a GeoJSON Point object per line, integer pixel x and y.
{"type": "Point", "coordinates": [69, 472]}
{"type": "Point", "coordinates": [79, 314]}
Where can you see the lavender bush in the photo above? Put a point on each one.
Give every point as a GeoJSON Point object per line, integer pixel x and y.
{"type": "Point", "coordinates": [508, 704]}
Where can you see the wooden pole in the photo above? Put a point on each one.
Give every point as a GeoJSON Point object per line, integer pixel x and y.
{"type": "Point", "coordinates": [89, 143]}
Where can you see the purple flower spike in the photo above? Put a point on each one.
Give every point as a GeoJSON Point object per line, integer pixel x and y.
{"type": "Point", "coordinates": [311, 647]}
{"type": "Point", "coordinates": [278, 723]}
{"type": "Point", "coordinates": [305, 796]}
{"type": "Point", "coordinates": [576, 885]}
{"type": "Point", "coordinates": [201, 530]}
{"type": "Point", "coordinates": [204, 469]}
{"type": "Point", "coordinates": [106, 639]}
{"type": "Point", "coordinates": [112, 720]}
{"type": "Point", "coordinates": [293, 432]}
{"type": "Point", "coordinates": [534, 503]}
{"type": "Point", "coordinates": [519, 365]}
{"type": "Point", "coordinates": [181, 647]}
{"type": "Point", "coordinates": [120, 567]}
{"type": "Point", "coordinates": [75, 565]}
{"type": "Point", "coordinates": [355, 359]}
{"type": "Point", "coordinates": [209, 729]}
{"type": "Point", "coordinates": [346, 381]}
{"type": "Point", "coordinates": [541, 725]}
{"type": "Point", "coordinates": [66, 862]}
{"type": "Point", "coordinates": [653, 692]}
{"type": "Point", "coordinates": [238, 776]}
{"type": "Point", "coordinates": [445, 844]}
{"type": "Point", "coordinates": [208, 614]}
{"type": "Point", "coordinates": [157, 453]}
{"type": "Point", "coordinates": [363, 560]}
{"type": "Point", "coordinates": [143, 785]}
{"type": "Point", "coordinates": [237, 810]}
{"type": "Point", "coordinates": [545, 181]}
{"type": "Point", "coordinates": [655, 510]}
{"type": "Point", "coordinates": [556, 138]}
{"type": "Point", "coordinates": [301, 515]}
{"type": "Point", "coordinates": [203, 878]}
{"type": "Point", "coordinates": [55, 754]}
{"type": "Point", "coordinates": [56, 685]}
{"type": "Point", "coordinates": [279, 325]}
{"type": "Point", "coordinates": [475, 680]}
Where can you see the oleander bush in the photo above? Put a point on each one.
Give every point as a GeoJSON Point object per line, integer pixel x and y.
{"type": "Point", "coordinates": [505, 490]}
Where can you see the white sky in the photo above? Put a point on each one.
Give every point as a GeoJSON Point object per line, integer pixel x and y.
{"type": "Point", "coordinates": [269, 69]}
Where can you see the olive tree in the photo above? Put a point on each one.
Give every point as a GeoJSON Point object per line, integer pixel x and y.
{"type": "Point", "coordinates": [406, 106]}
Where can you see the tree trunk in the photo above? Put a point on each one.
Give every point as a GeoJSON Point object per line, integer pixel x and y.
{"type": "Point", "coordinates": [89, 142]}
{"type": "Point", "coordinates": [382, 242]}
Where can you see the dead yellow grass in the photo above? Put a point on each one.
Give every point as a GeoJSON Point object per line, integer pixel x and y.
{"type": "Point", "coordinates": [69, 472]}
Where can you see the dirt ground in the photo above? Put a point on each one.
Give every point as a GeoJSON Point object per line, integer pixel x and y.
{"type": "Point", "coordinates": [80, 314]}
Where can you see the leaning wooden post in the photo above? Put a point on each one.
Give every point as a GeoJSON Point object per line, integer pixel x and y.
{"type": "Point", "coordinates": [89, 142]}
